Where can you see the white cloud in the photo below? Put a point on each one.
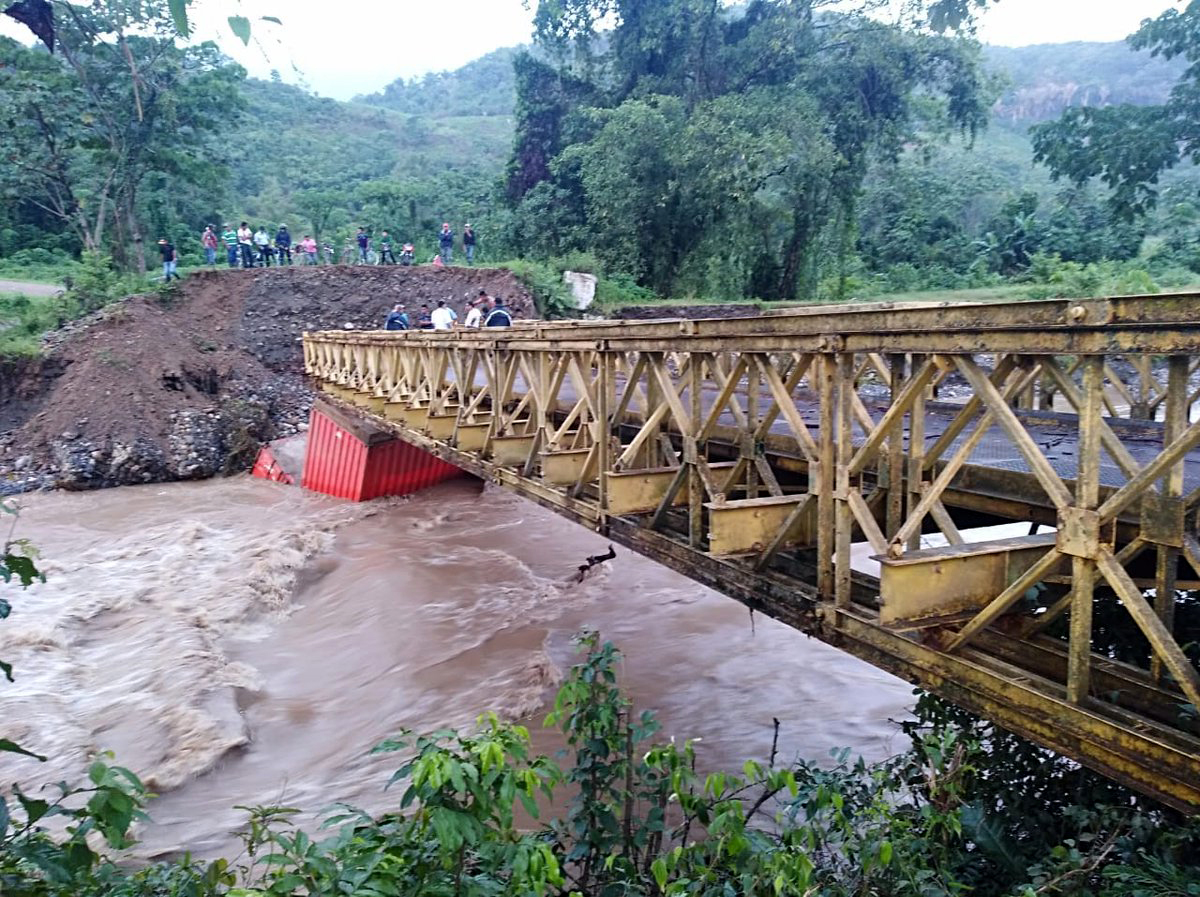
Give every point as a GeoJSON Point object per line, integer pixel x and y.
{"type": "Point", "coordinates": [1015, 23]}
{"type": "Point", "coordinates": [343, 49]}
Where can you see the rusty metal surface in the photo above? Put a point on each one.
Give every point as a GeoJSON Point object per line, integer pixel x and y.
{"type": "Point", "coordinates": [755, 454]}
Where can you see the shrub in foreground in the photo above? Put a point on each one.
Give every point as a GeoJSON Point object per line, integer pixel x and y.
{"type": "Point", "coordinates": [968, 809]}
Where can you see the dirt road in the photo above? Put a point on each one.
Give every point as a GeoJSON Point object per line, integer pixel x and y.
{"type": "Point", "coordinates": [30, 289]}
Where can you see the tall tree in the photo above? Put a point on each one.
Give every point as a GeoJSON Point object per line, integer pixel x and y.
{"type": "Point", "coordinates": [83, 130]}
{"type": "Point", "coordinates": [812, 93]}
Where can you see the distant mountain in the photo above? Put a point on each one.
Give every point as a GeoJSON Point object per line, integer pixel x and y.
{"type": "Point", "coordinates": [485, 86]}
{"type": "Point", "coordinates": [1044, 79]}
{"type": "Point", "coordinates": [1041, 80]}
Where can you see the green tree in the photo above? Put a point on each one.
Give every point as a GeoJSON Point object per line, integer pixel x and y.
{"type": "Point", "coordinates": [121, 103]}
{"type": "Point", "coordinates": [1129, 147]}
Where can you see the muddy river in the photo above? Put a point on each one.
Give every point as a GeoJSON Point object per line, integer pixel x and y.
{"type": "Point", "coordinates": [243, 642]}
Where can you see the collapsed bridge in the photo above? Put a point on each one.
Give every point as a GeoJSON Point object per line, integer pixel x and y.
{"type": "Point", "coordinates": [841, 468]}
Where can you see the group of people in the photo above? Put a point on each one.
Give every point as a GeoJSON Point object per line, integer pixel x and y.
{"type": "Point", "coordinates": [248, 248]}
{"type": "Point", "coordinates": [482, 311]}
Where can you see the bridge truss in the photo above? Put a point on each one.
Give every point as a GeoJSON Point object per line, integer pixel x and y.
{"type": "Point", "coordinates": [835, 468]}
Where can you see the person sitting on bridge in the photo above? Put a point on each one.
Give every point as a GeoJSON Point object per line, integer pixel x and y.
{"type": "Point", "coordinates": [442, 317]}
{"type": "Point", "coordinates": [396, 319]}
{"type": "Point", "coordinates": [499, 316]}
{"type": "Point", "coordinates": [424, 321]}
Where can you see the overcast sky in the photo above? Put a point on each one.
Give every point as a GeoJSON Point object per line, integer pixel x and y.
{"type": "Point", "coordinates": [343, 49]}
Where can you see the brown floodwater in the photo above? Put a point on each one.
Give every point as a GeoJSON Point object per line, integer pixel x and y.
{"type": "Point", "coordinates": [242, 642]}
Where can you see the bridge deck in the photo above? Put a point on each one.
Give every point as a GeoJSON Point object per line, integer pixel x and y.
{"type": "Point", "coordinates": [766, 456]}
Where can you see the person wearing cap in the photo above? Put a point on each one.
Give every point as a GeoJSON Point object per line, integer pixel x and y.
{"type": "Point", "coordinates": [209, 241]}
{"type": "Point", "coordinates": [469, 243]}
{"type": "Point", "coordinates": [283, 244]}
{"type": "Point", "coordinates": [499, 316]}
{"type": "Point", "coordinates": [446, 243]}
{"type": "Point", "coordinates": [167, 249]}
{"type": "Point", "coordinates": [230, 238]}
{"type": "Point", "coordinates": [396, 319]}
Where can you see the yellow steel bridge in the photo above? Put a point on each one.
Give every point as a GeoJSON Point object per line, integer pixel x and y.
{"type": "Point", "coordinates": [834, 467]}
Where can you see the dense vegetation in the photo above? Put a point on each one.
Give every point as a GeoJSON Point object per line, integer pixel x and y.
{"type": "Point", "coordinates": [763, 151]}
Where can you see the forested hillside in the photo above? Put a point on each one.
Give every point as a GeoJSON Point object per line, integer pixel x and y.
{"type": "Point", "coordinates": [760, 180]}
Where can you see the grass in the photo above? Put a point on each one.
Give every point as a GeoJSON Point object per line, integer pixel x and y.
{"type": "Point", "coordinates": [23, 320]}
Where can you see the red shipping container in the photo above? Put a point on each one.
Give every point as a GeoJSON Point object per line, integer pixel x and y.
{"type": "Point", "coordinates": [352, 459]}
{"type": "Point", "coordinates": [268, 467]}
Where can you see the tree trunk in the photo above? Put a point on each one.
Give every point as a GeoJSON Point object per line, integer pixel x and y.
{"type": "Point", "coordinates": [135, 234]}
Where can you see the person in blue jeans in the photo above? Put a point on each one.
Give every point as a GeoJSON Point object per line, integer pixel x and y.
{"type": "Point", "coordinates": [169, 259]}
{"type": "Point", "coordinates": [209, 241]}
{"type": "Point", "coordinates": [364, 243]}
{"type": "Point", "coordinates": [446, 242]}
{"type": "Point", "coordinates": [469, 243]}
{"type": "Point", "coordinates": [283, 244]}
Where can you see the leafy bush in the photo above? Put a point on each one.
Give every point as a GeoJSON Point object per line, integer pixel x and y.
{"type": "Point", "coordinates": [1054, 278]}
{"type": "Point", "coordinates": [97, 283]}
{"type": "Point", "coordinates": [621, 289]}
{"type": "Point", "coordinates": [545, 284]}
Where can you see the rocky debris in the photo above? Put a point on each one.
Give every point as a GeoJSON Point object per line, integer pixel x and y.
{"type": "Point", "coordinates": [189, 384]}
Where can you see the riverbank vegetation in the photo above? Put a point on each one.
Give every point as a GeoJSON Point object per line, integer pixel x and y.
{"type": "Point", "coordinates": [966, 809]}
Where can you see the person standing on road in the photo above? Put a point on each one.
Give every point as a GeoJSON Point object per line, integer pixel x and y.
{"type": "Point", "coordinates": [209, 241]}
{"type": "Point", "coordinates": [442, 318]}
{"type": "Point", "coordinates": [385, 249]}
{"type": "Point", "coordinates": [263, 243]}
{"type": "Point", "coordinates": [364, 243]}
{"type": "Point", "coordinates": [169, 259]}
{"type": "Point", "coordinates": [309, 245]}
{"type": "Point", "coordinates": [230, 238]}
{"type": "Point", "coordinates": [396, 319]}
{"type": "Point", "coordinates": [469, 244]}
{"type": "Point", "coordinates": [499, 315]}
{"type": "Point", "coordinates": [246, 245]}
{"type": "Point", "coordinates": [283, 244]}
{"type": "Point", "coordinates": [446, 242]}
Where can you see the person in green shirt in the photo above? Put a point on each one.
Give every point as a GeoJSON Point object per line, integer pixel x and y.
{"type": "Point", "coordinates": [230, 239]}
{"type": "Point", "coordinates": [385, 249]}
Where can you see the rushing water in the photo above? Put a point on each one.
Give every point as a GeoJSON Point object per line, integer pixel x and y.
{"type": "Point", "coordinates": [243, 642]}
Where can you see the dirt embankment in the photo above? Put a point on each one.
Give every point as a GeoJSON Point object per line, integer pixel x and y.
{"type": "Point", "coordinates": [186, 384]}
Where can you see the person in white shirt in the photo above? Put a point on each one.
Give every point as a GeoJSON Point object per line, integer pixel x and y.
{"type": "Point", "coordinates": [474, 317]}
{"type": "Point", "coordinates": [441, 317]}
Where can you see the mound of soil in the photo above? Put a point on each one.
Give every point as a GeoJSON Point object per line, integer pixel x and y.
{"type": "Point", "coordinates": [186, 384]}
